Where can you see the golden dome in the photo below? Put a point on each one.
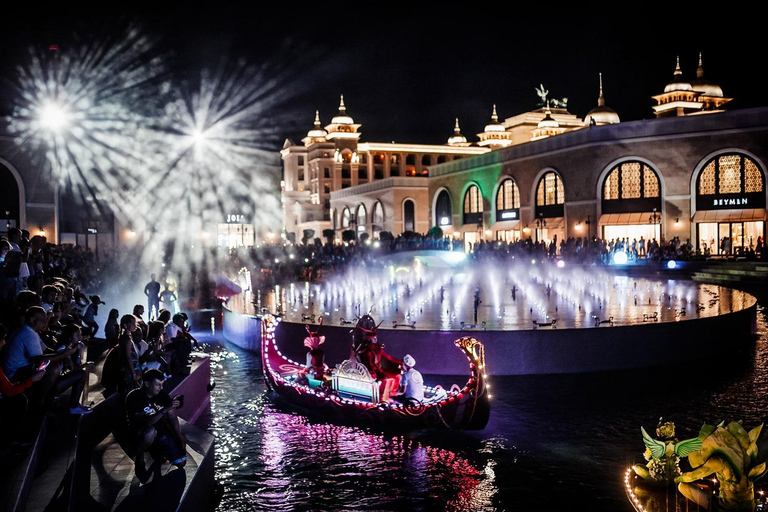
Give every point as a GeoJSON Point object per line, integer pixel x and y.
{"type": "Point", "coordinates": [457, 138]}
{"type": "Point", "coordinates": [317, 131]}
{"type": "Point", "coordinates": [602, 114]}
{"type": "Point", "coordinates": [702, 85]}
{"type": "Point", "coordinates": [342, 117]}
{"type": "Point", "coordinates": [495, 125]}
{"type": "Point", "coordinates": [677, 83]}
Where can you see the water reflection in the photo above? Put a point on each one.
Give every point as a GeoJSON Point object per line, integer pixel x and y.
{"type": "Point", "coordinates": [552, 441]}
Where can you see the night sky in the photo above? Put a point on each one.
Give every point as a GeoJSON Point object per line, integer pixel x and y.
{"type": "Point", "coordinates": [408, 71]}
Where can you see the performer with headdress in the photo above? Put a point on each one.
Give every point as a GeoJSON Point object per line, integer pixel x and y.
{"type": "Point", "coordinates": [367, 349]}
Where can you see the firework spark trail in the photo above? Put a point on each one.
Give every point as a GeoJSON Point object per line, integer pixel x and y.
{"type": "Point", "coordinates": [168, 158]}
{"type": "Point", "coordinates": [213, 164]}
{"type": "Point", "coordinates": [91, 87]}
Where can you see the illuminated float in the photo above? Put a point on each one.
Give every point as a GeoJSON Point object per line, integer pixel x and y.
{"type": "Point", "coordinates": [723, 463]}
{"type": "Point", "coordinates": [349, 393]}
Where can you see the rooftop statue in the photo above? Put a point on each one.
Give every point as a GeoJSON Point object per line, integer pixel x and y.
{"type": "Point", "coordinates": [543, 93]}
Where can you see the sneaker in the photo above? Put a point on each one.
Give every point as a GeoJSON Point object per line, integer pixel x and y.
{"type": "Point", "coordinates": [81, 409]}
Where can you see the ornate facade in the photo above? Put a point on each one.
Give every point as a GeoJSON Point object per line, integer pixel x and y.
{"type": "Point", "coordinates": [555, 176]}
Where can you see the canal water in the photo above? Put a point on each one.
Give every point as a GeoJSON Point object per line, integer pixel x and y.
{"type": "Point", "coordinates": [555, 442]}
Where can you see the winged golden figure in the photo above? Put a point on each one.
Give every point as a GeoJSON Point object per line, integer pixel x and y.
{"type": "Point", "coordinates": [663, 455]}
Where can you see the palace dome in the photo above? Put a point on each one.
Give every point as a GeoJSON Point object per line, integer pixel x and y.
{"type": "Point", "coordinates": [702, 85]}
{"type": "Point", "coordinates": [602, 114]}
{"type": "Point", "coordinates": [495, 125]}
{"type": "Point", "coordinates": [548, 121]}
{"type": "Point", "coordinates": [317, 132]}
{"type": "Point", "coordinates": [677, 83]}
{"type": "Point", "coordinates": [457, 138]}
{"type": "Point", "coordinates": [342, 117]}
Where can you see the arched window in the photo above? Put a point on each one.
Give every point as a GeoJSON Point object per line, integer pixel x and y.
{"type": "Point", "coordinates": [508, 201]}
{"type": "Point", "coordinates": [631, 187]}
{"type": "Point", "coordinates": [729, 176]}
{"type": "Point", "coordinates": [360, 215]}
{"type": "Point", "coordinates": [409, 215]}
{"type": "Point", "coordinates": [508, 196]}
{"type": "Point", "coordinates": [443, 213]}
{"type": "Point", "coordinates": [550, 190]}
{"type": "Point", "coordinates": [345, 218]}
{"type": "Point", "coordinates": [473, 205]}
{"type": "Point", "coordinates": [631, 180]}
{"type": "Point", "coordinates": [550, 196]}
{"type": "Point", "coordinates": [378, 214]}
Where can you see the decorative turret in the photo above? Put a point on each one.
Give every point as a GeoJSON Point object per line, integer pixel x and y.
{"type": "Point", "coordinates": [601, 114]}
{"type": "Point", "coordinates": [547, 127]}
{"type": "Point", "coordinates": [678, 99]}
{"type": "Point", "coordinates": [677, 83]}
{"type": "Point", "coordinates": [316, 134]}
{"type": "Point", "coordinates": [342, 125]}
{"type": "Point", "coordinates": [711, 94]}
{"type": "Point", "coordinates": [457, 139]}
{"type": "Point", "coordinates": [495, 135]}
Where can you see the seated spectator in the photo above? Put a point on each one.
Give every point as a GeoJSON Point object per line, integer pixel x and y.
{"type": "Point", "coordinates": [152, 415]}
{"type": "Point", "coordinates": [48, 297]}
{"type": "Point", "coordinates": [24, 354]}
{"type": "Point", "coordinates": [157, 353]}
{"type": "Point", "coordinates": [71, 335]}
{"type": "Point", "coordinates": [9, 388]}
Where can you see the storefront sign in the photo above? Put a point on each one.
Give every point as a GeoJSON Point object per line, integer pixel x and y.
{"type": "Point", "coordinates": [508, 214]}
{"type": "Point", "coordinates": [737, 201]}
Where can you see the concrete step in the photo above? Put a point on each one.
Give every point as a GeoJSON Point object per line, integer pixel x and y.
{"type": "Point", "coordinates": [80, 456]}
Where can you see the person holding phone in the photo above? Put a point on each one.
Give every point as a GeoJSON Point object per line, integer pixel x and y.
{"type": "Point", "coordinates": [151, 415]}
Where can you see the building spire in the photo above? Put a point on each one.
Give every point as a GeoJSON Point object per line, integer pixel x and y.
{"type": "Point", "coordinates": [494, 117]}
{"type": "Point", "coordinates": [601, 99]}
{"type": "Point", "coordinates": [342, 108]}
{"type": "Point", "coordinates": [700, 69]}
{"type": "Point", "coordinates": [456, 128]}
{"type": "Point", "coordinates": [678, 72]}
{"type": "Point", "coordinates": [317, 119]}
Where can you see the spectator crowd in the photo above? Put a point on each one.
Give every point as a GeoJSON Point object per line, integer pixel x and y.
{"type": "Point", "coordinates": [51, 333]}
{"type": "Point", "coordinates": [275, 263]}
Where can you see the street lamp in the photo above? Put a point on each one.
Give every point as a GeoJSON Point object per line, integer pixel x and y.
{"type": "Point", "coordinates": [653, 220]}
{"type": "Point", "coordinates": [541, 223]}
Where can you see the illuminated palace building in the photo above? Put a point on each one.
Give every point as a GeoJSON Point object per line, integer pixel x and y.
{"type": "Point", "coordinates": [694, 172]}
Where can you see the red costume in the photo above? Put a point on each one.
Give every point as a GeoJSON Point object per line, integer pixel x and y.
{"type": "Point", "coordinates": [367, 349]}
{"type": "Point", "coordinates": [372, 355]}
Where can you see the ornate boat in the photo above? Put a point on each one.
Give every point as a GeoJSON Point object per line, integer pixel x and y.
{"type": "Point", "coordinates": [349, 394]}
